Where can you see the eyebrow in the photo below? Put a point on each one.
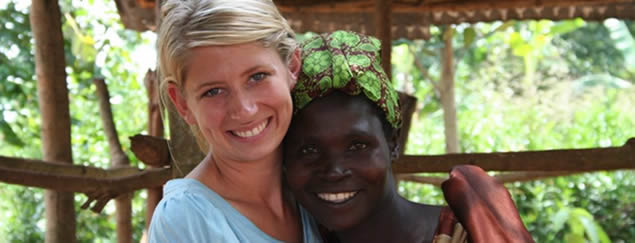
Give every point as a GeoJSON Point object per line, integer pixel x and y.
{"type": "Point", "coordinates": [204, 84]}
{"type": "Point", "coordinates": [359, 133]}
{"type": "Point", "coordinates": [252, 69]}
{"type": "Point", "coordinates": [305, 138]}
{"type": "Point", "coordinates": [246, 72]}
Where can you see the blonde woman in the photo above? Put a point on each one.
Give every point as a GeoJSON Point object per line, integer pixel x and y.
{"type": "Point", "coordinates": [228, 67]}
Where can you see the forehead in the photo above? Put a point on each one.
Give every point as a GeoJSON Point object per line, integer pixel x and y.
{"type": "Point", "coordinates": [207, 62]}
{"type": "Point", "coordinates": [337, 113]}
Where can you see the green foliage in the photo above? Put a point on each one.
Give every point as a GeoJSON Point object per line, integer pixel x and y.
{"type": "Point", "coordinates": [580, 49]}
{"type": "Point", "coordinates": [577, 102]}
{"type": "Point", "coordinates": [581, 81]}
{"type": "Point", "coordinates": [22, 219]}
{"type": "Point", "coordinates": [96, 45]}
{"type": "Point", "coordinates": [16, 71]}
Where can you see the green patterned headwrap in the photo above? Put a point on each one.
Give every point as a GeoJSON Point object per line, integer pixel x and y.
{"type": "Point", "coordinates": [347, 62]}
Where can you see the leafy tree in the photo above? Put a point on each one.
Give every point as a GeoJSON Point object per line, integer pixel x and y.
{"type": "Point", "coordinates": [576, 103]}
{"type": "Point", "coordinates": [582, 83]}
{"type": "Point", "coordinates": [96, 45]}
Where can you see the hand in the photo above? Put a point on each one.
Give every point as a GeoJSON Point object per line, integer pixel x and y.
{"type": "Point", "coordinates": [483, 206]}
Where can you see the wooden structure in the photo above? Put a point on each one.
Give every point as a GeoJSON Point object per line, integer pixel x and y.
{"type": "Point", "coordinates": [386, 19]}
{"type": "Point", "coordinates": [389, 20]}
{"type": "Point", "coordinates": [409, 18]}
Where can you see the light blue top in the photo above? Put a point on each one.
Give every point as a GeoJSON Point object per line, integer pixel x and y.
{"type": "Point", "coordinates": [192, 212]}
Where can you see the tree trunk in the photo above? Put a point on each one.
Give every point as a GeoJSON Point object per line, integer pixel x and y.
{"type": "Point", "coordinates": [447, 93]}
{"type": "Point", "coordinates": [53, 101]}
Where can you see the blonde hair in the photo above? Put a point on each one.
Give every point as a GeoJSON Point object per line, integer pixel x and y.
{"type": "Point", "coordinates": [186, 24]}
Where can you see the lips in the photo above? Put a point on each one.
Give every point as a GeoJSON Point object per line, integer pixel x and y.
{"type": "Point", "coordinates": [338, 197]}
{"type": "Point", "coordinates": [253, 131]}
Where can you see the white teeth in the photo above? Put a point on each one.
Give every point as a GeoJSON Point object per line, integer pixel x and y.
{"type": "Point", "coordinates": [336, 197]}
{"type": "Point", "coordinates": [253, 132]}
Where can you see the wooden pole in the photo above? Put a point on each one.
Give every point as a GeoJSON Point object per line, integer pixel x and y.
{"type": "Point", "coordinates": [123, 202]}
{"type": "Point", "coordinates": [383, 23]}
{"type": "Point", "coordinates": [155, 128]}
{"type": "Point", "coordinates": [54, 107]}
{"type": "Point", "coordinates": [446, 86]}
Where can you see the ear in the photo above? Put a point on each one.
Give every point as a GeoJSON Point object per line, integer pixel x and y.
{"type": "Point", "coordinates": [394, 145]}
{"type": "Point", "coordinates": [176, 96]}
{"type": "Point", "coordinates": [295, 65]}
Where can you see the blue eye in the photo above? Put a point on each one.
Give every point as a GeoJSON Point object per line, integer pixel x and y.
{"type": "Point", "coordinates": [357, 146]}
{"type": "Point", "coordinates": [212, 92]}
{"type": "Point", "coordinates": [258, 76]}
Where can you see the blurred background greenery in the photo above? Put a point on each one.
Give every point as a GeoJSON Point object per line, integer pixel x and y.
{"type": "Point", "coordinates": [520, 85]}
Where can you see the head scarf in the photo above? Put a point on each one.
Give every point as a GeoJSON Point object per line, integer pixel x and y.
{"type": "Point", "coordinates": [348, 62]}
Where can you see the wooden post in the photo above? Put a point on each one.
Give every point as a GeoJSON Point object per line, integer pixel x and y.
{"type": "Point", "coordinates": [119, 159]}
{"type": "Point", "coordinates": [155, 128]}
{"type": "Point", "coordinates": [383, 23]}
{"type": "Point", "coordinates": [447, 93]}
{"type": "Point", "coordinates": [54, 107]}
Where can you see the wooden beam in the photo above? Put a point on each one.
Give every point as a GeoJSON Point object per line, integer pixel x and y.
{"type": "Point", "coordinates": [99, 185]}
{"type": "Point", "coordinates": [611, 158]}
{"type": "Point", "coordinates": [412, 24]}
{"type": "Point", "coordinates": [141, 17]}
{"type": "Point", "coordinates": [573, 160]}
{"type": "Point", "coordinates": [399, 6]}
{"type": "Point", "coordinates": [502, 178]}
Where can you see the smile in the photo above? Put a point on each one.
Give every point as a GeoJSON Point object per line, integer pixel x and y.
{"type": "Point", "coordinates": [340, 197]}
{"type": "Point", "coordinates": [252, 132]}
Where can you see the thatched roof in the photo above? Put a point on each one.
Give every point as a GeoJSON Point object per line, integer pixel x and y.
{"type": "Point", "coordinates": [409, 17]}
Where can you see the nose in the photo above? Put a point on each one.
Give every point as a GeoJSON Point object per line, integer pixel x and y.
{"type": "Point", "coordinates": [242, 106]}
{"type": "Point", "coordinates": [335, 170]}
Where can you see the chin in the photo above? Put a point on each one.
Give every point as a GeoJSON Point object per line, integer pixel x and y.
{"type": "Point", "coordinates": [336, 221]}
{"type": "Point", "coordinates": [339, 225]}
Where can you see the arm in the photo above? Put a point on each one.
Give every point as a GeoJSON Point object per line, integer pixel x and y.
{"type": "Point", "coordinates": [483, 206]}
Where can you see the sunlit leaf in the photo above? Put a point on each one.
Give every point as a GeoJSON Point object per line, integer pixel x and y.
{"type": "Point", "coordinates": [505, 25]}
{"type": "Point", "coordinates": [8, 134]}
{"type": "Point", "coordinates": [566, 26]}
{"type": "Point", "coordinates": [624, 40]}
{"type": "Point", "coordinates": [560, 218]}
{"type": "Point", "coordinates": [469, 35]}
{"type": "Point", "coordinates": [449, 33]}
{"type": "Point", "coordinates": [522, 50]}
{"type": "Point", "coordinates": [574, 238]}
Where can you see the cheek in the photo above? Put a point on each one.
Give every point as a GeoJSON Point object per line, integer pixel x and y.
{"type": "Point", "coordinates": [375, 175]}
{"type": "Point", "coordinates": [281, 88]}
{"type": "Point", "coordinates": [209, 114]}
{"type": "Point", "coordinates": [298, 176]}
{"type": "Point", "coordinates": [375, 171]}
{"type": "Point", "coordinates": [276, 94]}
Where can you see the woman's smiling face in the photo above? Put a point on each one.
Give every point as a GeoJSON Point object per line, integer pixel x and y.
{"type": "Point", "coordinates": [338, 159]}
{"type": "Point", "coordinates": [239, 97]}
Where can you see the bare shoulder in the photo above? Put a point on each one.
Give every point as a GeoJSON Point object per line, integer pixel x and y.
{"type": "Point", "coordinates": [425, 219]}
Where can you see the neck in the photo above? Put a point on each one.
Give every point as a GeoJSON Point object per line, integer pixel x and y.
{"type": "Point", "coordinates": [245, 181]}
{"type": "Point", "coordinates": [386, 224]}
